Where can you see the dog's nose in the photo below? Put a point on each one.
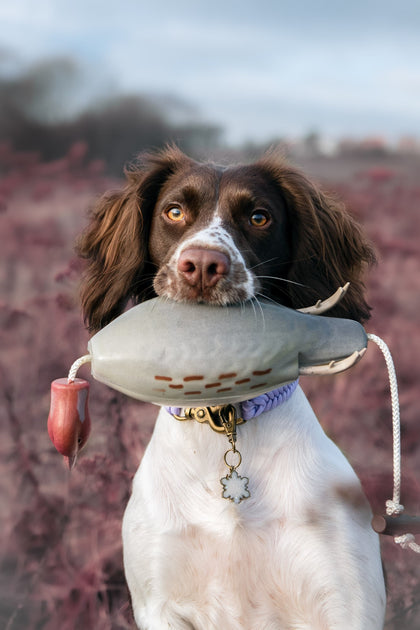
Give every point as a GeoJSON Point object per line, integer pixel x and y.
{"type": "Point", "coordinates": [203, 267]}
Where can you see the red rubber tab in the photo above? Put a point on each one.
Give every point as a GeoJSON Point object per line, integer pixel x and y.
{"type": "Point", "coordinates": [68, 420]}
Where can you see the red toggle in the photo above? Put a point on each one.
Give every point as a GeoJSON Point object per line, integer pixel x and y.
{"type": "Point", "coordinates": [68, 420]}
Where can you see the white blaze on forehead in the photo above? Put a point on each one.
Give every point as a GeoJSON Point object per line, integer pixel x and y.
{"type": "Point", "coordinates": [214, 236]}
{"type": "Point", "coordinates": [217, 217]}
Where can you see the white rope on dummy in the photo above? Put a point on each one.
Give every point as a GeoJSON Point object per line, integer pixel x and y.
{"type": "Point", "coordinates": [393, 506]}
{"type": "Point", "coordinates": [87, 358]}
{"type": "Point", "coordinates": [407, 540]}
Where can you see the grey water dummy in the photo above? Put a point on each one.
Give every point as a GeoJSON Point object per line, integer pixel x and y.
{"type": "Point", "coordinates": [170, 353]}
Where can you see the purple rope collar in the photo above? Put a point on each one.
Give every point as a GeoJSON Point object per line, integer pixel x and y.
{"type": "Point", "coordinates": [256, 406]}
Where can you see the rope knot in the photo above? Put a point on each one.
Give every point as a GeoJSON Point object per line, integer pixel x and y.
{"type": "Point", "coordinates": [393, 508]}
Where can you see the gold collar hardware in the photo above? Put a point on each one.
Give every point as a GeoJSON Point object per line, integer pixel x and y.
{"type": "Point", "coordinates": [215, 416]}
{"type": "Point", "coordinates": [223, 419]}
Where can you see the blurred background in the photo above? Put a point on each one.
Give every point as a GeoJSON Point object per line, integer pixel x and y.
{"type": "Point", "coordinates": [84, 87]}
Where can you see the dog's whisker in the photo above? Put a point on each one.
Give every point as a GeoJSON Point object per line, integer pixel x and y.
{"type": "Point", "coordinates": [280, 279]}
{"type": "Point", "coordinates": [257, 302]}
{"type": "Point", "coordinates": [153, 264]}
{"type": "Point", "coordinates": [268, 298]}
{"type": "Point", "coordinates": [264, 262]}
{"type": "Point", "coordinates": [253, 308]}
{"type": "Point", "coordinates": [242, 304]}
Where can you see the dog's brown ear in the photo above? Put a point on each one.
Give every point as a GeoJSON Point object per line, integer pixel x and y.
{"type": "Point", "coordinates": [329, 247]}
{"type": "Point", "coordinates": [115, 241]}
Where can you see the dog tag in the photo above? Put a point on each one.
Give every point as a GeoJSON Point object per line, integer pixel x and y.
{"type": "Point", "coordinates": [235, 487]}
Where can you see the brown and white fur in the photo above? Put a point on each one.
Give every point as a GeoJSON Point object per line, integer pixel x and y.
{"type": "Point", "coordinates": [300, 553]}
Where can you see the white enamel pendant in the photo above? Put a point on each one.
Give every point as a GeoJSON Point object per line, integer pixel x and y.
{"type": "Point", "coordinates": [235, 487]}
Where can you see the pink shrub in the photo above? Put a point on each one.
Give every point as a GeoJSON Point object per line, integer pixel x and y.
{"type": "Point", "coordinates": [62, 564]}
{"type": "Point", "coordinates": [379, 174]}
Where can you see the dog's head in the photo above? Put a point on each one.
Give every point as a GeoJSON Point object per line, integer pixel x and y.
{"type": "Point", "coordinates": [199, 232]}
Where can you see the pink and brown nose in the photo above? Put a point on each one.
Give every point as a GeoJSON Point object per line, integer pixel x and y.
{"type": "Point", "coordinates": [203, 267]}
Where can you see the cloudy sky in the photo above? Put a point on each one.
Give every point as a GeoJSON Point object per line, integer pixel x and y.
{"type": "Point", "coordinates": [261, 69]}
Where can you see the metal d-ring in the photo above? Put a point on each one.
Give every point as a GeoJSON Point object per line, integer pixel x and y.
{"type": "Point", "coordinates": [231, 466]}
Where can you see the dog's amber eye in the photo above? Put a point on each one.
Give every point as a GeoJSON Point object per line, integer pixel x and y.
{"type": "Point", "coordinates": [175, 214]}
{"type": "Point", "coordinates": [259, 218]}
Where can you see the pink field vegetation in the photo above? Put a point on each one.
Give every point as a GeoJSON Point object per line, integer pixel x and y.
{"type": "Point", "coordinates": [61, 562]}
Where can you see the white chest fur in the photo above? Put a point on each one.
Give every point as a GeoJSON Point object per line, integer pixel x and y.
{"type": "Point", "coordinates": [299, 553]}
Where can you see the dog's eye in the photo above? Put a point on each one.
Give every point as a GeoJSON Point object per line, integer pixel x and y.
{"type": "Point", "coordinates": [259, 218]}
{"type": "Point", "coordinates": [175, 214]}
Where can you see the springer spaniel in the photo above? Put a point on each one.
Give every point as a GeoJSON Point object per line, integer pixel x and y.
{"type": "Point", "coordinates": [300, 553]}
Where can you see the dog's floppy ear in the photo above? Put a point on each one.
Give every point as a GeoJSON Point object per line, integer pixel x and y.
{"type": "Point", "coordinates": [115, 241]}
{"type": "Point", "coordinates": [329, 247]}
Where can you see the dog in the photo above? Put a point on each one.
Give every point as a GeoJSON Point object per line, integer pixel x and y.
{"type": "Point", "coordinates": [299, 553]}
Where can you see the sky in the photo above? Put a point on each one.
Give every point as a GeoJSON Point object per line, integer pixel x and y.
{"type": "Point", "coordinates": [260, 69]}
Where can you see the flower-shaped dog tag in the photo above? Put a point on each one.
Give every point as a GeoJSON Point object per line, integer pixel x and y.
{"type": "Point", "coordinates": [235, 487]}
